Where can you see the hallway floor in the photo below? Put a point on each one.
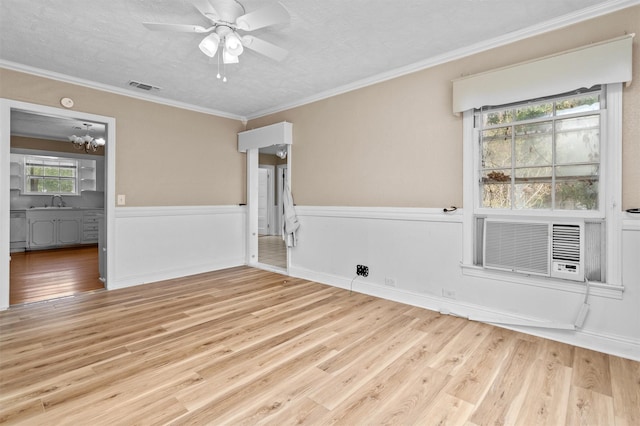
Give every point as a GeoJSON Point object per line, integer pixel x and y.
{"type": "Point", "coordinates": [272, 251]}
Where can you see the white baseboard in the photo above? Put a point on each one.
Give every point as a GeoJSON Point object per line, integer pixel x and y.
{"type": "Point", "coordinates": [168, 274]}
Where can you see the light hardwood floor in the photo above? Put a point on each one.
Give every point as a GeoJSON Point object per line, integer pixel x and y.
{"type": "Point", "coordinates": [46, 274]}
{"type": "Point", "coordinates": [245, 346]}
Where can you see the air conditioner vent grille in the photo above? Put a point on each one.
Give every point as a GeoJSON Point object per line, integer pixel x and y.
{"type": "Point", "coordinates": [518, 247]}
{"type": "Point", "coordinates": [566, 243]}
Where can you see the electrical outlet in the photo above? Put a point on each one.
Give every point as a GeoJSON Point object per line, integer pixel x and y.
{"type": "Point", "coordinates": [450, 294]}
{"type": "Point", "coordinates": [391, 282]}
{"type": "Point", "coordinates": [362, 270]}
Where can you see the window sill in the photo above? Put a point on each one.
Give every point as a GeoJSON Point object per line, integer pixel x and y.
{"type": "Point", "coordinates": [595, 289]}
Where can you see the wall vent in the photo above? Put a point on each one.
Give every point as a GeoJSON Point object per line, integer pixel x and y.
{"type": "Point", "coordinates": [143, 86]}
{"type": "Point", "coordinates": [535, 248]}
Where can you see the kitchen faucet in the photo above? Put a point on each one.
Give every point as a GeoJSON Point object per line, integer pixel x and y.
{"type": "Point", "coordinates": [53, 198]}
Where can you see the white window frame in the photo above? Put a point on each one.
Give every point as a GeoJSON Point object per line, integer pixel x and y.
{"type": "Point", "coordinates": [610, 187]}
{"type": "Point", "coordinates": [76, 177]}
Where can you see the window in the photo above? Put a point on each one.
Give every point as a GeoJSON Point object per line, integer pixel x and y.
{"type": "Point", "coordinates": [541, 155]}
{"type": "Point", "coordinates": [50, 175]}
{"type": "Point", "coordinates": [554, 160]}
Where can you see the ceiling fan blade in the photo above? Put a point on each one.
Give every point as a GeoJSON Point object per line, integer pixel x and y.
{"type": "Point", "coordinates": [206, 9]}
{"type": "Point", "coordinates": [181, 28]}
{"type": "Point", "coordinates": [270, 15]}
{"type": "Point", "coordinates": [264, 48]}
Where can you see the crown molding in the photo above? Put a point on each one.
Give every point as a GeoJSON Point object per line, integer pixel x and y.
{"type": "Point", "coordinates": [14, 66]}
{"type": "Point", "coordinates": [534, 30]}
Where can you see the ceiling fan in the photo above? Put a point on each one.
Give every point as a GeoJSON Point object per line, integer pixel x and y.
{"type": "Point", "coordinates": [228, 19]}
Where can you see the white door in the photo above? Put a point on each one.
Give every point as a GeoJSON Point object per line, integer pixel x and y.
{"type": "Point", "coordinates": [263, 201]}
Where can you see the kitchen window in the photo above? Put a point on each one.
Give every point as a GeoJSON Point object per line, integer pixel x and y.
{"type": "Point", "coordinates": [50, 175]}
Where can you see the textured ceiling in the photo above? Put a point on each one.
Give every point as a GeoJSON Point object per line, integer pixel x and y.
{"type": "Point", "coordinates": [332, 44]}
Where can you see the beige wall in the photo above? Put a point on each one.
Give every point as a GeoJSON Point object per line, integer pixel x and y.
{"type": "Point", "coordinates": [397, 143]}
{"type": "Point", "coordinates": [165, 156]}
{"type": "Point", "coordinates": [270, 160]}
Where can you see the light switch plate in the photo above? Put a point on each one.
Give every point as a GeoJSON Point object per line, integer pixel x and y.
{"type": "Point", "coordinates": [121, 200]}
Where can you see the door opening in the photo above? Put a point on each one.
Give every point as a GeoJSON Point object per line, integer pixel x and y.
{"type": "Point", "coordinates": [89, 209]}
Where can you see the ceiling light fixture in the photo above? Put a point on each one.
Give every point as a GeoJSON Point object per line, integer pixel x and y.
{"type": "Point", "coordinates": [87, 142]}
{"type": "Point", "coordinates": [228, 58]}
{"type": "Point", "coordinates": [209, 44]}
{"type": "Point", "coordinates": [233, 44]}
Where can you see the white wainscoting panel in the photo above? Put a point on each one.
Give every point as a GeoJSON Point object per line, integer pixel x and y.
{"type": "Point", "coordinates": [414, 257]}
{"type": "Point", "coordinates": [158, 243]}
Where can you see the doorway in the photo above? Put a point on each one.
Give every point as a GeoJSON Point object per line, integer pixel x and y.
{"type": "Point", "coordinates": [275, 139]}
{"type": "Point", "coordinates": [71, 206]}
{"type": "Point", "coordinates": [272, 249]}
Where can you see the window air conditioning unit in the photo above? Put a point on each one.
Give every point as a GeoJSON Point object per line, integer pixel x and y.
{"type": "Point", "coordinates": [550, 249]}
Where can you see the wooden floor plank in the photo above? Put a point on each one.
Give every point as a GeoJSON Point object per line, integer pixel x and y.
{"type": "Point", "coordinates": [246, 346]}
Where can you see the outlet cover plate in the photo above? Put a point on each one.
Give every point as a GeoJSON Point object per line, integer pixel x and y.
{"type": "Point", "coordinates": [362, 270]}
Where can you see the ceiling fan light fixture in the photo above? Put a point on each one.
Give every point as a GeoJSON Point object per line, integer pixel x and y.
{"type": "Point", "coordinates": [233, 44]}
{"type": "Point", "coordinates": [229, 58]}
{"type": "Point", "coordinates": [209, 44]}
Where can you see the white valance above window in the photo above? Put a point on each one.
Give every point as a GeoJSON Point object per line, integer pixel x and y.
{"type": "Point", "coordinates": [600, 63]}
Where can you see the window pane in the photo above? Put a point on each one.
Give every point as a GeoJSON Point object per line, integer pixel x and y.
{"type": "Point", "coordinates": [51, 171]}
{"type": "Point", "coordinates": [533, 144]}
{"type": "Point", "coordinates": [34, 184]}
{"type": "Point", "coordinates": [533, 174]}
{"type": "Point", "coordinates": [534, 111]}
{"type": "Point", "coordinates": [577, 195]}
{"type": "Point", "coordinates": [575, 172]}
{"type": "Point", "coordinates": [51, 185]}
{"type": "Point", "coordinates": [497, 196]}
{"type": "Point", "coordinates": [588, 102]}
{"type": "Point", "coordinates": [496, 148]}
{"type": "Point", "coordinates": [493, 118]}
{"type": "Point", "coordinates": [35, 170]}
{"type": "Point", "coordinates": [534, 195]}
{"type": "Point", "coordinates": [68, 186]}
{"type": "Point", "coordinates": [67, 172]}
{"type": "Point", "coordinates": [578, 140]}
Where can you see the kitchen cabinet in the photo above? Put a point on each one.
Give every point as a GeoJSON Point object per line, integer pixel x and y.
{"type": "Point", "coordinates": [90, 221]}
{"type": "Point", "coordinates": [53, 228]}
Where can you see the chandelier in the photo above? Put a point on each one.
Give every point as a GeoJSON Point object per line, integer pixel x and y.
{"type": "Point", "coordinates": [87, 142]}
